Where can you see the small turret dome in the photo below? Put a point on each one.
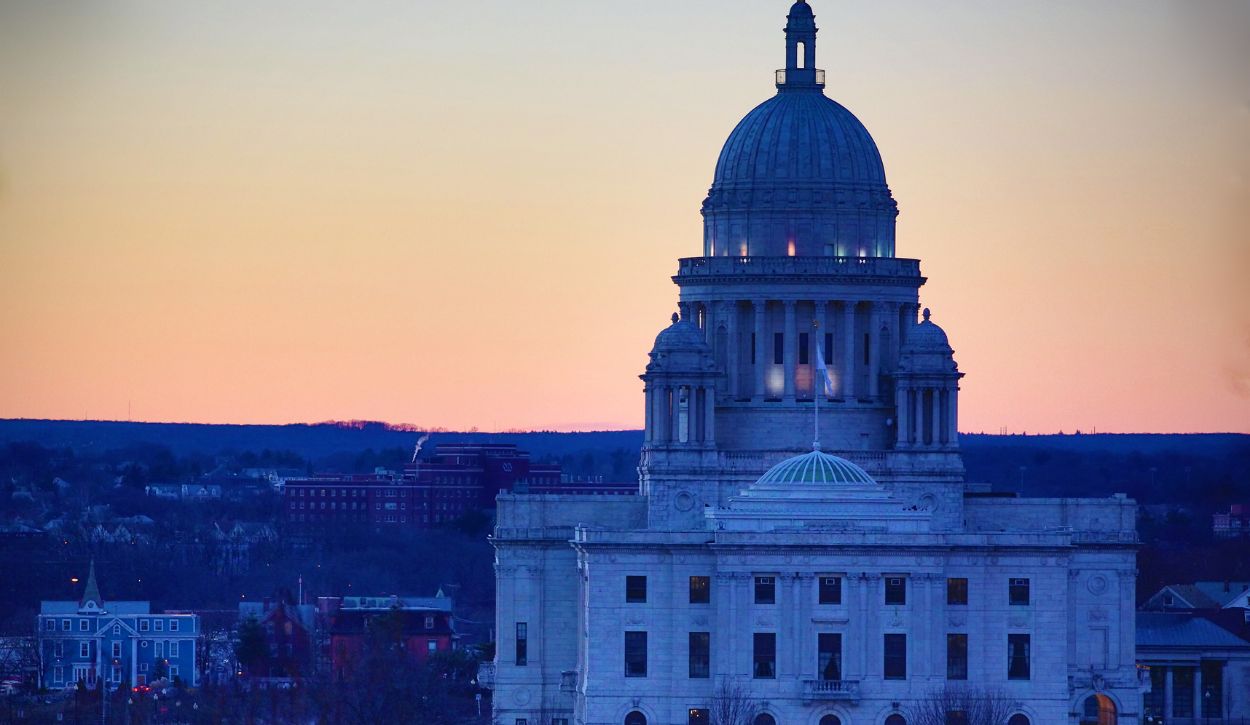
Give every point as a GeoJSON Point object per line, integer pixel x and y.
{"type": "Point", "coordinates": [815, 467]}
{"type": "Point", "coordinates": [927, 337]}
{"type": "Point", "coordinates": [681, 348]}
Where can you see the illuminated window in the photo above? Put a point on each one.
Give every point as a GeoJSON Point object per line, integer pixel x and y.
{"type": "Point", "coordinates": [1018, 656]}
{"type": "Point", "coordinates": [700, 589]}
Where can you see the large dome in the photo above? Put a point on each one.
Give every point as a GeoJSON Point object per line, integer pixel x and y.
{"type": "Point", "coordinates": [799, 175]}
{"type": "Point", "coordinates": [799, 139]}
{"type": "Point", "coordinates": [815, 468]}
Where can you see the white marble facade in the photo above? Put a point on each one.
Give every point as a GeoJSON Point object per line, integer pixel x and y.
{"type": "Point", "coordinates": [838, 587]}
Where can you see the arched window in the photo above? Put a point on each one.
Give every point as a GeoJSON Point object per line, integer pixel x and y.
{"type": "Point", "coordinates": [830, 720]}
{"type": "Point", "coordinates": [896, 719]}
{"type": "Point", "coordinates": [764, 719]}
{"type": "Point", "coordinates": [1098, 710]}
{"type": "Point", "coordinates": [1019, 719]}
{"type": "Point", "coordinates": [635, 718]}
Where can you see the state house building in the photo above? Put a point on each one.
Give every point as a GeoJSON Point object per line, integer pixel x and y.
{"type": "Point", "coordinates": [841, 582]}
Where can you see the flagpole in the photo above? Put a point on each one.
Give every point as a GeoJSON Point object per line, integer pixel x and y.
{"type": "Point", "coordinates": [817, 390]}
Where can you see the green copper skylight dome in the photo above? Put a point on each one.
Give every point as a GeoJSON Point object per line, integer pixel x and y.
{"type": "Point", "coordinates": [815, 467]}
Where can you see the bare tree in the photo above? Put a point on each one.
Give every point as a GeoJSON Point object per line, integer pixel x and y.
{"type": "Point", "coordinates": [962, 705]}
{"type": "Point", "coordinates": [732, 704]}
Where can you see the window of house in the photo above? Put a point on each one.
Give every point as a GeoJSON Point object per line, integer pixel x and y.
{"type": "Point", "coordinates": [635, 654]}
{"type": "Point", "coordinates": [699, 716]}
{"type": "Point", "coordinates": [1169, 600]}
{"type": "Point", "coordinates": [804, 349]}
{"type": "Point", "coordinates": [117, 630]}
{"type": "Point", "coordinates": [895, 590]}
{"type": "Point", "coordinates": [765, 590]}
{"type": "Point", "coordinates": [83, 625]}
{"type": "Point", "coordinates": [64, 625]}
{"type": "Point", "coordinates": [895, 660]}
{"type": "Point", "coordinates": [173, 648]}
{"type": "Point", "coordinates": [429, 622]}
{"type": "Point", "coordinates": [431, 646]}
{"type": "Point", "coordinates": [160, 650]}
{"type": "Point", "coordinates": [143, 666]}
{"type": "Point", "coordinates": [700, 655]}
{"type": "Point", "coordinates": [830, 590]}
{"type": "Point", "coordinates": [173, 671]}
{"type": "Point", "coordinates": [1017, 656]}
{"type": "Point", "coordinates": [58, 649]}
{"type": "Point", "coordinates": [765, 656]}
{"type": "Point", "coordinates": [779, 347]}
{"type": "Point", "coordinates": [700, 589]}
{"type": "Point", "coordinates": [58, 674]}
{"type": "Point", "coordinates": [1018, 592]}
{"type": "Point", "coordinates": [143, 625]}
{"type": "Point", "coordinates": [173, 625]}
{"type": "Point", "coordinates": [829, 655]}
{"type": "Point", "coordinates": [84, 649]}
{"type": "Point", "coordinates": [636, 589]}
{"type": "Point", "coordinates": [957, 592]}
{"type": "Point", "coordinates": [49, 624]}
{"type": "Point", "coordinates": [159, 624]}
{"type": "Point", "coordinates": [522, 644]}
{"type": "Point", "coordinates": [117, 649]}
{"type": "Point", "coordinates": [956, 656]}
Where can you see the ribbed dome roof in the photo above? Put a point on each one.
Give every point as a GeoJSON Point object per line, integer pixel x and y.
{"type": "Point", "coordinates": [799, 137]}
{"type": "Point", "coordinates": [815, 467]}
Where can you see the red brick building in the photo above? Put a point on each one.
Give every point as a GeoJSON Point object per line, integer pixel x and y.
{"type": "Point", "coordinates": [424, 625]}
{"type": "Point", "coordinates": [460, 478]}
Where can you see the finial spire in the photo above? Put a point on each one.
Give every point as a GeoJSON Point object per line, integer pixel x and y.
{"type": "Point", "coordinates": [676, 318]}
{"type": "Point", "coordinates": [926, 314]}
{"type": "Point", "coordinates": [91, 592]}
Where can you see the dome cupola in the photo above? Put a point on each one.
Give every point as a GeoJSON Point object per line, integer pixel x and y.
{"type": "Point", "coordinates": [799, 175]}
{"type": "Point", "coordinates": [926, 348]}
{"type": "Point", "coordinates": [815, 467]}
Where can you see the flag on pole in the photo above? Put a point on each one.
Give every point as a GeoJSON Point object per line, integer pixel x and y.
{"type": "Point", "coordinates": [823, 370]}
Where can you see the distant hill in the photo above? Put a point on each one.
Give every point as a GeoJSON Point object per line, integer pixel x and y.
{"type": "Point", "coordinates": [1210, 469]}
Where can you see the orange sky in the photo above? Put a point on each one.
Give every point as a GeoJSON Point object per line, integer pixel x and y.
{"type": "Point", "coordinates": [467, 215]}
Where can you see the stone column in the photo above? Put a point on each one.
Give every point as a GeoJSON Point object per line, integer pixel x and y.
{"type": "Point", "coordinates": [684, 309]}
{"type": "Point", "coordinates": [1198, 690]}
{"type": "Point", "coordinates": [902, 401]}
{"type": "Point", "coordinates": [848, 351]}
{"type": "Point", "coordinates": [874, 352]}
{"type": "Point", "coordinates": [647, 427]}
{"type": "Point", "coordinates": [709, 415]}
{"type": "Point", "coordinates": [734, 344]}
{"type": "Point", "coordinates": [761, 308]}
{"type": "Point", "coordinates": [937, 418]}
{"type": "Point", "coordinates": [952, 405]}
{"type": "Point", "coordinates": [1167, 694]}
{"type": "Point", "coordinates": [788, 350]}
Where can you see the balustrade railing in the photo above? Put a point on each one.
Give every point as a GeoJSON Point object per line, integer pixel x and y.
{"type": "Point", "coordinates": [831, 689]}
{"type": "Point", "coordinates": [829, 266]}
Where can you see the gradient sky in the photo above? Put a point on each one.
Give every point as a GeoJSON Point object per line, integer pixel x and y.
{"type": "Point", "coordinates": [466, 214]}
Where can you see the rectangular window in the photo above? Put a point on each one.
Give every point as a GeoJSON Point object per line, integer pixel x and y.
{"type": "Point", "coordinates": [431, 646]}
{"type": "Point", "coordinates": [522, 644]}
{"type": "Point", "coordinates": [159, 624]}
{"type": "Point", "coordinates": [1017, 656]}
{"type": "Point", "coordinates": [1018, 592]}
{"type": "Point", "coordinates": [957, 592]}
{"type": "Point", "coordinates": [83, 625]}
{"type": "Point", "coordinates": [84, 649]}
{"type": "Point", "coordinates": [765, 656]}
{"type": "Point", "coordinates": [895, 590]}
{"type": "Point", "coordinates": [829, 656]}
{"type": "Point", "coordinates": [831, 590]}
{"type": "Point", "coordinates": [173, 671]}
{"type": "Point", "coordinates": [699, 716]}
{"type": "Point", "coordinates": [636, 589]}
{"type": "Point", "coordinates": [49, 624]}
{"type": "Point", "coordinates": [173, 625]}
{"type": "Point", "coordinates": [58, 674]}
{"type": "Point", "coordinates": [956, 656]}
{"type": "Point", "coordinates": [64, 625]}
{"type": "Point", "coordinates": [895, 660]}
{"type": "Point", "coordinates": [804, 354]}
{"type": "Point", "coordinates": [700, 655]}
{"type": "Point", "coordinates": [700, 589]}
{"type": "Point", "coordinates": [58, 649]}
{"type": "Point", "coordinates": [779, 347]}
{"type": "Point", "coordinates": [117, 649]}
{"type": "Point", "coordinates": [635, 654]}
{"type": "Point", "coordinates": [160, 650]}
{"type": "Point", "coordinates": [765, 590]}
{"type": "Point", "coordinates": [173, 648]}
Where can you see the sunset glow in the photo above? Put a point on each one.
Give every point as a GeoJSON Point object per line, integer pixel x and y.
{"type": "Point", "coordinates": [234, 212]}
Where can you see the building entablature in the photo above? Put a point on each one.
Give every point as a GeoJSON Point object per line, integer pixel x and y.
{"type": "Point", "coordinates": [885, 270]}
